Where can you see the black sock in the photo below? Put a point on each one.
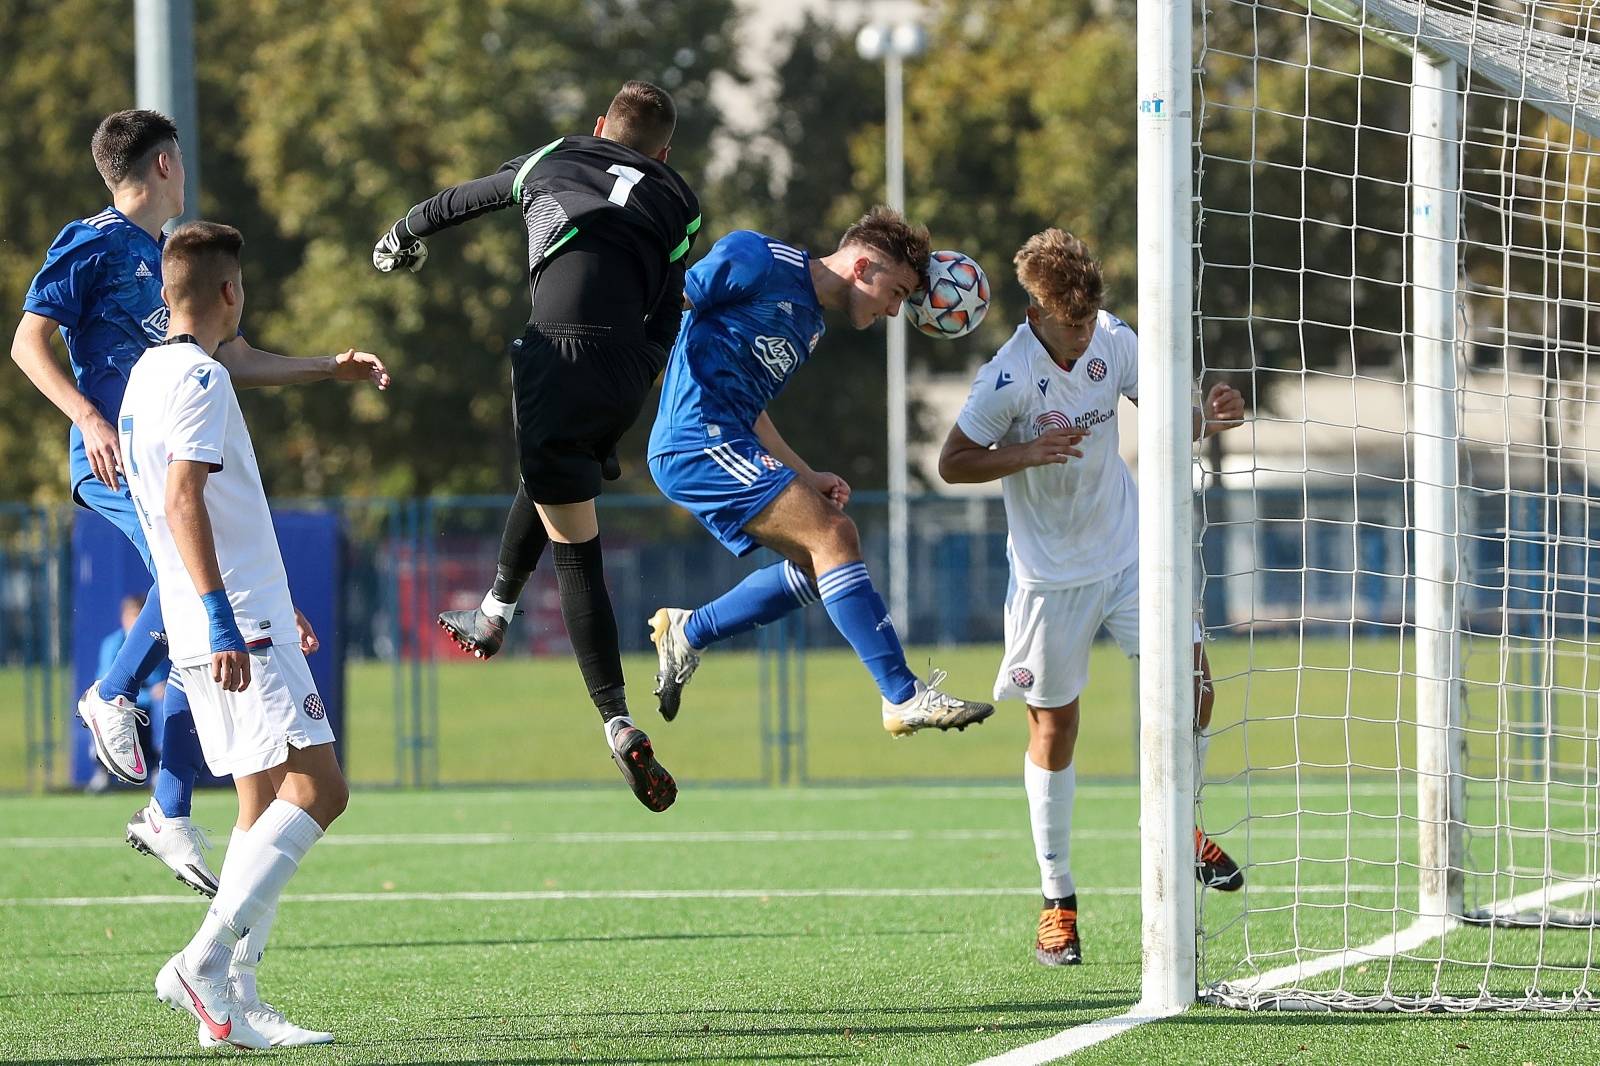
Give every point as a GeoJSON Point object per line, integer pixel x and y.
{"type": "Point", "coordinates": [520, 547]}
{"type": "Point", "coordinates": [591, 625]}
{"type": "Point", "coordinates": [1065, 902]}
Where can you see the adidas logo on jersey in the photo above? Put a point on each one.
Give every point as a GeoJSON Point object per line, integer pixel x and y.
{"type": "Point", "coordinates": [786, 307]}
{"type": "Point", "coordinates": [142, 271]}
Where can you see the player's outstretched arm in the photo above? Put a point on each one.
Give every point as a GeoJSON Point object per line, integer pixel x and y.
{"type": "Point", "coordinates": [30, 350]}
{"type": "Point", "coordinates": [834, 487]}
{"type": "Point", "coordinates": [401, 248]}
{"type": "Point", "coordinates": [250, 367]}
{"type": "Point", "coordinates": [190, 523]}
{"type": "Point", "coordinates": [963, 461]}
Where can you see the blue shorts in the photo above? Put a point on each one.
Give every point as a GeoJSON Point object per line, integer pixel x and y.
{"type": "Point", "coordinates": [724, 486]}
{"type": "Point", "coordinates": [117, 507]}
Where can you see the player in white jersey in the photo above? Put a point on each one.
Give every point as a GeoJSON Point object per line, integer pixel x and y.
{"type": "Point", "coordinates": [233, 634]}
{"type": "Point", "coordinates": [1042, 419]}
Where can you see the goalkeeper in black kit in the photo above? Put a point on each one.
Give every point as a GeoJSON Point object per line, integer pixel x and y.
{"type": "Point", "coordinates": [609, 226]}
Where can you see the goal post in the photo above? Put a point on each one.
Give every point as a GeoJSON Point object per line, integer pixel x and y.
{"type": "Point", "coordinates": [1382, 221]}
{"type": "Point", "coordinates": [1166, 515]}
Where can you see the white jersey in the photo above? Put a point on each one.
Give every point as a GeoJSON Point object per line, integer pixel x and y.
{"type": "Point", "coordinates": [1076, 522]}
{"type": "Point", "coordinates": [180, 405]}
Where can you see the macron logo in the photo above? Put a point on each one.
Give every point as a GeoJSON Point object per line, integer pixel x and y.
{"type": "Point", "coordinates": [142, 271]}
{"type": "Point", "coordinates": [1002, 381]}
{"type": "Point", "coordinates": [203, 376]}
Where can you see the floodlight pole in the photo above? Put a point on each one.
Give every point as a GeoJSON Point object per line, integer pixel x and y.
{"type": "Point", "coordinates": [164, 81]}
{"type": "Point", "coordinates": [894, 45]}
{"type": "Point", "coordinates": [1166, 506]}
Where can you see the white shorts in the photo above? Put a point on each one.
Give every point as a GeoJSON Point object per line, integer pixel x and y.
{"type": "Point", "coordinates": [251, 731]}
{"type": "Point", "coordinates": [1049, 633]}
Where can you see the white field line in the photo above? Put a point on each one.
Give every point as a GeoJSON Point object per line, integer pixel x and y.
{"type": "Point", "coordinates": [1072, 1040]}
{"type": "Point", "coordinates": [737, 836]}
{"type": "Point", "coordinates": [826, 793]}
{"type": "Point", "coordinates": [558, 895]}
{"type": "Point", "coordinates": [1410, 938]}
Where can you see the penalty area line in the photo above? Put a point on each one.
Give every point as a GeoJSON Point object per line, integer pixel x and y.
{"type": "Point", "coordinates": [1071, 1041]}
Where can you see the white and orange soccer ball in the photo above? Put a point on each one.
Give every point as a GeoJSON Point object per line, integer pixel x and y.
{"type": "Point", "coordinates": [953, 299]}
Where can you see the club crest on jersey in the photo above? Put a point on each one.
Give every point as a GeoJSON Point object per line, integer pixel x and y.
{"type": "Point", "coordinates": [769, 462]}
{"type": "Point", "coordinates": [314, 708]}
{"type": "Point", "coordinates": [1002, 381]}
{"type": "Point", "coordinates": [777, 355]}
{"type": "Point", "coordinates": [1097, 369]}
{"type": "Point", "coordinates": [1022, 677]}
{"type": "Point", "coordinates": [1044, 386]}
{"type": "Point", "coordinates": [811, 345]}
{"type": "Point", "coordinates": [155, 323]}
{"type": "Point", "coordinates": [1050, 420]}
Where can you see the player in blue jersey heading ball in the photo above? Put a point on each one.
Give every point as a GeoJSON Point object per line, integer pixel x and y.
{"type": "Point", "coordinates": [755, 316]}
{"type": "Point", "coordinates": [100, 286]}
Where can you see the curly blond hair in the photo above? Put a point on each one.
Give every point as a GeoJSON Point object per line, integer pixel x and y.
{"type": "Point", "coordinates": [1059, 275]}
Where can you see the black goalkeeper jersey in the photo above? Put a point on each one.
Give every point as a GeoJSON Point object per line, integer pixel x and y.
{"type": "Point", "coordinates": [609, 231]}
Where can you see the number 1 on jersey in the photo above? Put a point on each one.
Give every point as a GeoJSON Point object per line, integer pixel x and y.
{"type": "Point", "coordinates": [627, 178]}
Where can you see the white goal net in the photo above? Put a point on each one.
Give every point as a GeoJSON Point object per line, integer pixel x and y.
{"type": "Point", "coordinates": [1397, 208]}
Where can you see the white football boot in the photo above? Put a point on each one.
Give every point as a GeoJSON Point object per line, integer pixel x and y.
{"type": "Point", "coordinates": [677, 658]}
{"type": "Point", "coordinates": [270, 1023]}
{"type": "Point", "coordinates": [214, 1004]}
{"type": "Point", "coordinates": [114, 725]}
{"type": "Point", "coordinates": [929, 708]}
{"type": "Point", "coordinates": [178, 842]}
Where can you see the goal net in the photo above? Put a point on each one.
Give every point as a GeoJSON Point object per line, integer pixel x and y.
{"type": "Point", "coordinates": [1397, 209]}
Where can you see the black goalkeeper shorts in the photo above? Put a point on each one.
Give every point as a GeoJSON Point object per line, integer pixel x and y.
{"type": "Point", "coordinates": [575, 390]}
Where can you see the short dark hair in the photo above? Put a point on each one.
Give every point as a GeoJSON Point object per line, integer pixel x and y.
{"type": "Point", "coordinates": [125, 143]}
{"type": "Point", "coordinates": [197, 258]}
{"type": "Point", "coordinates": [642, 116]}
{"type": "Point", "coordinates": [886, 230]}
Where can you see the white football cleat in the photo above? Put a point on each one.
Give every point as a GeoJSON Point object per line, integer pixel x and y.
{"type": "Point", "coordinates": [214, 1004]}
{"type": "Point", "coordinates": [178, 843]}
{"type": "Point", "coordinates": [114, 725]}
{"type": "Point", "coordinates": [676, 657]}
{"type": "Point", "coordinates": [929, 708]}
{"type": "Point", "coordinates": [270, 1023]}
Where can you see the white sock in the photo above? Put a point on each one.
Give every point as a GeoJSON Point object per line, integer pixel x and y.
{"type": "Point", "coordinates": [248, 951]}
{"type": "Point", "coordinates": [615, 726]}
{"type": "Point", "coordinates": [1050, 809]}
{"type": "Point", "coordinates": [247, 956]}
{"type": "Point", "coordinates": [497, 609]}
{"type": "Point", "coordinates": [252, 880]}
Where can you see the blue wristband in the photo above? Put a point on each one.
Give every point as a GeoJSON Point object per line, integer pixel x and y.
{"type": "Point", "coordinates": [225, 635]}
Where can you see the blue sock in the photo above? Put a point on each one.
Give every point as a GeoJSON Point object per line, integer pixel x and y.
{"type": "Point", "coordinates": [180, 753]}
{"type": "Point", "coordinates": [859, 613]}
{"type": "Point", "coordinates": [764, 596]}
{"type": "Point", "coordinates": [141, 653]}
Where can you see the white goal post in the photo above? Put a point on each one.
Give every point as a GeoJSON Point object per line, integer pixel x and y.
{"type": "Point", "coordinates": [1381, 219]}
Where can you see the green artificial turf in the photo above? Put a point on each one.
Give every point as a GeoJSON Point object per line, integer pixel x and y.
{"type": "Point", "coordinates": [881, 925]}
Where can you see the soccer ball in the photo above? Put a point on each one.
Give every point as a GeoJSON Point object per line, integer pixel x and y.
{"type": "Point", "coordinates": [953, 299]}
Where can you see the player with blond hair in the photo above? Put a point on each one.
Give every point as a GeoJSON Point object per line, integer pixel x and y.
{"type": "Point", "coordinates": [1042, 420]}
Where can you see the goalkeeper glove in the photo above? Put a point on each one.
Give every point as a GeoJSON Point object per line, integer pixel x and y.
{"type": "Point", "coordinates": [394, 251]}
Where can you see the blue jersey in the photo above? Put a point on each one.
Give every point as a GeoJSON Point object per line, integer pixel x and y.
{"type": "Point", "coordinates": [102, 281]}
{"type": "Point", "coordinates": [754, 320]}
